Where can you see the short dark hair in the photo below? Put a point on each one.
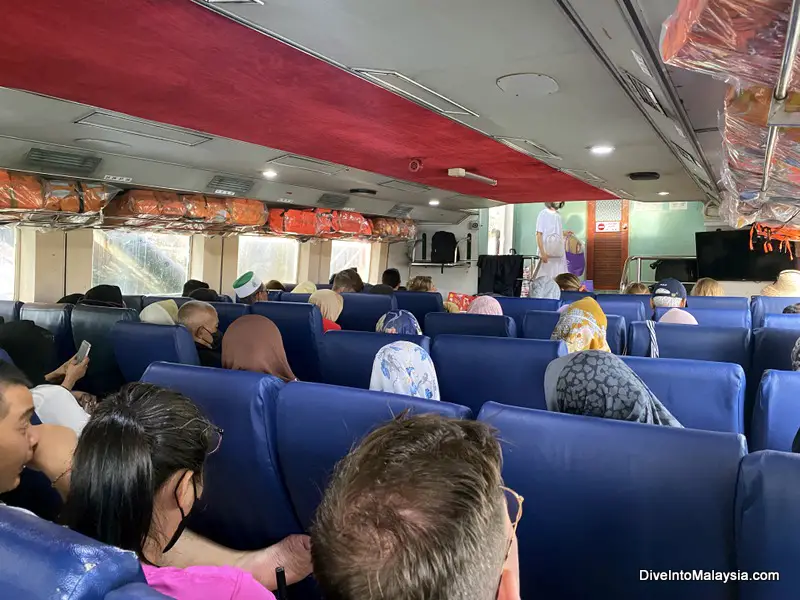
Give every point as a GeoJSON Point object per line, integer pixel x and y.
{"type": "Point", "coordinates": [391, 277]}
{"type": "Point", "coordinates": [274, 284]}
{"type": "Point", "coordinates": [9, 376]}
{"type": "Point", "coordinates": [792, 309]}
{"type": "Point", "coordinates": [348, 281]}
{"type": "Point", "coordinates": [204, 295]}
{"type": "Point", "coordinates": [192, 285]}
{"type": "Point", "coordinates": [133, 443]}
{"type": "Point", "coordinates": [416, 511]}
{"type": "Point", "coordinates": [383, 289]}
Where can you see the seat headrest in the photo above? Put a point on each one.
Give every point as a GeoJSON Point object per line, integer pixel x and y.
{"type": "Point", "coordinates": [776, 414]}
{"type": "Point", "coordinates": [137, 345]}
{"type": "Point", "coordinates": [517, 307]}
{"type": "Point", "coordinates": [539, 324]}
{"type": "Point", "coordinates": [56, 318]}
{"type": "Point", "coordinates": [135, 591]}
{"type": "Point", "coordinates": [347, 356]}
{"type": "Point", "coordinates": [9, 310]}
{"type": "Point", "coordinates": [419, 304]}
{"type": "Point", "coordinates": [736, 302]}
{"type": "Point", "coordinates": [772, 349]}
{"type": "Point", "coordinates": [300, 325]}
{"type": "Point", "coordinates": [631, 308]}
{"type": "Point", "coordinates": [467, 324]}
{"type": "Point", "coordinates": [313, 436]}
{"type": "Point", "coordinates": [473, 370]}
{"type": "Point", "coordinates": [362, 312]}
{"type": "Point", "coordinates": [290, 297]}
{"type": "Point", "coordinates": [782, 322]}
{"type": "Point", "coordinates": [570, 297]}
{"type": "Point", "coordinates": [134, 302]}
{"type": "Point", "coordinates": [39, 559]}
{"type": "Point", "coordinates": [229, 312]}
{"type": "Point", "coordinates": [761, 306]}
{"type": "Point", "coordinates": [714, 317]}
{"type": "Point", "coordinates": [660, 498]}
{"type": "Point", "coordinates": [616, 333]}
{"type": "Point", "coordinates": [148, 300]}
{"type": "Point", "coordinates": [243, 405]}
{"type": "Point", "coordinates": [718, 344]}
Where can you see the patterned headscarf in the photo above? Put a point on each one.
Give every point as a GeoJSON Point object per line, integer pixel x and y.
{"type": "Point", "coordinates": [398, 321]}
{"type": "Point", "coordinates": [404, 368]}
{"type": "Point", "coordinates": [544, 287]}
{"type": "Point", "coordinates": [582, 326]}
{"type": "Point", "coordinates": [795, 356]}
{"type": "Point", "coordinates": [485, 305]}
{"type": "Point", "coordinates": [599, 384]}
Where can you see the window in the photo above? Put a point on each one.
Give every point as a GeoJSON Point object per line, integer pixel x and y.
{"type": "Point", "coordinates": [501, 224]}
{"type": "Point", "coordinates": [269, 257]}
{"type": "Point", "coordinates": [141, 262]}
{"type": "Point", "coordinates": [347, 254]}
{"type": "Point", "coordinates": [8, 261]}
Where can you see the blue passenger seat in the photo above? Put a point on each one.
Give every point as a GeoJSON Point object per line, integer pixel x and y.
{"type": "Point", "coordinates": [467, 324]}
{"type": "Point", "coordinates": [300, 325]}
{"type": "Point", "coordinates": [137, 345]}
{"type": "Point", "coordinates": [56, 318]}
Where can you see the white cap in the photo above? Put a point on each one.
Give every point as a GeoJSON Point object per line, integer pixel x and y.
{"type": "Point", "coordinates": [246, 285]}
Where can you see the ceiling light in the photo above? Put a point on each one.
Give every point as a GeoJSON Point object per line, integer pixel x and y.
{"type": "Point", "coordinates": [601, 150]}
{"type": "Point", "coordinates": [270, 174]}
{"type": "Point", "coordinates": [663, 193]}
{"type": "Point", "coordinates": [433, 202]}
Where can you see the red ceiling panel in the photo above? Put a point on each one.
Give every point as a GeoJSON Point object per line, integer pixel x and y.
{"type": "Point", "coordinates": [175, 62]}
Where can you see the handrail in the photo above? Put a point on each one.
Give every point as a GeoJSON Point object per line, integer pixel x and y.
{"type": "Point", "coordinates": [625, 280]}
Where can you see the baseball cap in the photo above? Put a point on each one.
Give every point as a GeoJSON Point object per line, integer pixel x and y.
{"type": "Point", "coordinates": [669, 288]}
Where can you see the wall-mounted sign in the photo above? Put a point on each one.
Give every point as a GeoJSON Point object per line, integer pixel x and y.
{"type": "Point", "coordinates": [607, 226]}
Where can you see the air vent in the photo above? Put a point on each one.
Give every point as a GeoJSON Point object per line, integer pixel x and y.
{"type": "Point", "coordinates": [142, 128]}
{"type": "Point", "coordinates": [528, 147]}
{"type": "Point", "coordinates": [307, 164]}
{"type": "Point", "coordinates": [686, 156]}
{"type": "Point", "coordinates": [584, 175]}
{"type": "Point", "coordinates": [400, 211]}
{"type": "Point", "coordinates": [645, 93]}
{"type": "Point", "coordinates": [333, 201]}
{"type": "Point", "coordinates": [78, 164]}
{"type": "Point", "coordinates": [405, 86]}
{"type": "Point", "coordinates": [405, 186]}
{"type": "Point", "coordinates": [229, 186]}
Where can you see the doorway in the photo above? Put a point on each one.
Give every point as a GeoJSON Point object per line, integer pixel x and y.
{"type": "Point", "coordinates": [607, 251]}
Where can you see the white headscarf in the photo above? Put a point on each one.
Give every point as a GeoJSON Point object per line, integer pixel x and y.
{"type": "Point", "coordinates": [676, 316]}
{"type": "Point", "coordinates": [404, 368]}
{"type": "Point", "coordinates": [546, 288]}
{"type": "Point", "coordinates": [160, 313]}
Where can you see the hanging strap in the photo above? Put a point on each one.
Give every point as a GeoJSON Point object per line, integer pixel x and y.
{"type": "Point", "coordinates": [651, 327]}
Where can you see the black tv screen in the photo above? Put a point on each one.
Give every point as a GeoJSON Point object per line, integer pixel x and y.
{"type": "Point", "coordinates": [726, 256]}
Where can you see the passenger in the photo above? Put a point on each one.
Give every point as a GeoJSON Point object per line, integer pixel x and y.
{"type": "Point", "coordinates": [205, 295]}
{"type": "Point", "coordinates": [160, 313]}
{"type": "Point", "coordinates": [330, 305]}
{"type": "Point", "coordinates": [306, 287]}
{"type": "Point", "coordinates": [32, 349]}
{"type": "Point", "coordinates": [202, 321]}
{"type": "Point", "coordinates": [273, 285]}
{"type": "Point", "coordinates": [706, 286]}
{"type": "Point", "coordinates": [668, 293]}
{"type": "Point", "coordinates": [71, 299]}
{"type": "Point", "coordinates": [136, 476]}
{"type": "Point", "coordinates": [637, 289]}
{"type": "Point", "coordinates": [786, 286]}
{"type": "Point", "coordinates": [192, 285]}
{"type": "Point", "coordinates": [249, 289]}
{"type": "Point", "coordinates": [451, 307]}
{"type": "Point", "coordinates": [421, 283]}
{"type": "Point", "coordinates": [570, 283]}
{"type": "Point", "coordinates": [418, 510]}
{"type": "Point", "coordinates": [348, 282]}
{"type": "Point", "coordinates": [399, 321]}
{"type": "Point", "coordinates": [104, 295]}
{"type": "Point", "coordinates": [254, 343]}
{"type": "Point", "coordinates": [792, 309]}
{"type": "Point", "coordinates": [796, 356]}
{"type": "Point", "coordinates": [391, 277]}
{"type": "Point", "coordinates": [677, 316]}
{"type": "Point", "coordinates": [599, 384]}
{"type": "Point", "coordinates": [545, 288]}
{"type": "Point", "coordinates": [582, 326]}
{"type": "Point", "coordinates": [404, 368]}
{"type": "Point", "coordinates": [382, 289]}
{"type": "Point", "coordinates": [485, 305]}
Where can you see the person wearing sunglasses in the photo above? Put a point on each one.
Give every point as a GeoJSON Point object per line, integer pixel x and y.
{"type": "Point", "coordinates": [418, 510]}
{"type": "Point", "coordinates": [135, 477]}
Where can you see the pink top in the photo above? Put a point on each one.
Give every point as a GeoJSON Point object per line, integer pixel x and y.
{"type": "Point", "coordinates": [214, 583]}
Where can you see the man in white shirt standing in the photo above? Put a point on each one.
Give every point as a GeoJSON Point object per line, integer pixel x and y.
{"type": "Point", "coordinates": [550, 240]}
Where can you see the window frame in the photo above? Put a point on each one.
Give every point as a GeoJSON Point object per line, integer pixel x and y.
{"type": "Point", "coordinates": [269, 238]}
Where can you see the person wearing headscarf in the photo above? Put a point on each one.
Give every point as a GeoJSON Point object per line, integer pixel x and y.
{"type": "Point", "coordinates": [485, 305]}
{"type": "Point", "coordinates": [254, 343]}
{"type": "Point", "coordinates": [787, 285]}
{"type": "Point", "coordinates": [598, 384]}
{"type": "Point", "coordinates": [104, 295]}
{"type": "Point", "coordinates": [545, 288]}
{"type": "Point", "coordinates": [399, 321]}
{"type": "Point", "coordinates": [796, 356]}
{"type": "Point", "coordinates": [306, 287]}
{"type": "Point", "coordinates": [330, 305]}
{"type": "Point", "coordinates": [582, 326]}
{"type": "Point", "coordinates": [404, 368]}
{"type": "Point", "coordinates": [678, 316]}
{"type": "Point", "coordinates": [160, 313]}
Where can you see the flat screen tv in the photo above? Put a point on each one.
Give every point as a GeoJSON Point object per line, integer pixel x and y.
{"type": "Point", "coordinates": [726, 256]}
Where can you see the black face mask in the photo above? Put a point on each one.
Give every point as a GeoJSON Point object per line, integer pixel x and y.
{"type": "Point", "coordinates": [184, 518]}
{"type": "Point", "coordinates": [216, 340]}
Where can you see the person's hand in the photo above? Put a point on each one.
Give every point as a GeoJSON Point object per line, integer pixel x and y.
{"type": "Point", "coordinates": [545, 258]}
{"type": "Point", "coordinates": [52, 454]}
{"type": "Point", "coordinates": [87, 401]}
{"type": "Point", "coordinates": [59, 373]}
{"type": "Point", "coordinates": [292, 553]}
{"type": "Point", "coordinates": [75, 371]}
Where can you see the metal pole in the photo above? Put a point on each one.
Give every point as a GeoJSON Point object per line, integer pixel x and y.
{"type": "Point", "coordinates": [638, 269]}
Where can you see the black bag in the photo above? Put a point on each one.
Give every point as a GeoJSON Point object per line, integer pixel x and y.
{"type": "Point", "coordinates": [682, 269]}
{"type": "Point", "coordinates": [443, 247]}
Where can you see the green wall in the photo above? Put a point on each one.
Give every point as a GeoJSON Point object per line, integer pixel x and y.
{"type": "Point", "coordinates": [573, 216]}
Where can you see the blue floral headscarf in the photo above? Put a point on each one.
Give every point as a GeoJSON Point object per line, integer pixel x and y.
{"type": "Point", "coordinates": [404, 368]}
{"type": "Point", "coordinates": [399, 321]}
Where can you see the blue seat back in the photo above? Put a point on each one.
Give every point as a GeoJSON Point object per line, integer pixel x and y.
{"type": "Point", "coordinates": [179, 300]}
{"type": "Point", "coordinates": [94, 324]}
{"type": "Point", "coordinates": [137, 345]}
{"type": "Point", "coordinates": [324, 286]}
{"type": "Point", "coordinates": [767, 519]}
{"type": "Point", "coordinates": [737, 302]}
{"type": "Point", "coordinates": [776, 413]}
{"type": "Point", "coordinates": [419, 304]}
{"type": "Point", "coordinates": [466, 324]}
{"type": "Point", "coordinates": [300, 325]}
{"type": "Point", "coordinates": [347, 356]}
{"type": "Point", "coordinates": [228, 313]}
{"type": "Point", "coordinates": [623, 494]}
{"type": "Point", "coordinates": [362, 312]}
{"type": "Point", "coordinates": [718, 344]}
{"type": "Point", "coordinates": [274, 295]}
{"type": "Point", "coordinates": [517, 307]}
{"type": "Point", "coordinates": [714, 317]}
{"type": "Point", "coordinates": [4, 357]}
{"type": "Point", "coordinates": [473, 370]}
{"type": "Point", "coordinates": [783, 322]}
{"type": "Point", "coordinates": [290, 297]}
{"type": "Point", "coordinates": [134, 302]}
{"type": "Point", "coordinates": [9, 310]}
{"type": "Point", "coordinates": [631, 307]}
{"type": "Point", "coordinates": [570, 297]}
{"type": "Point", "coordinates": [616, 333]}
{"type": "Point", "coordinates": [289, 287]}
{"type": "Point", "coordinates": [246, 466]}
{"type": "Point", "coordinates": [56, 318]}
{"type": "Point", "coordinates": [761, 306]}
{"type": "Point", "coordinates": [701, 394]}
{"type": "Point", "coordinates": [539, 324]}
{"type": "Point", "coordinates": [772, 349]}
{"type": "Point", "coordinates": [318, 424]}
{"type": "Point", "coordinates": [39, 559]}
{"type": "Point", "coordinates": [135, 591]}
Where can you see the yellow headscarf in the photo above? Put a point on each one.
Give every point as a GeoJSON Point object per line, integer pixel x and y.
{"type": "Point", "coordinates": [582, 326]}
{"type": "Point", "coordinates": [330, 303]}
{"type": "Point", "coordinates": [307, 287]}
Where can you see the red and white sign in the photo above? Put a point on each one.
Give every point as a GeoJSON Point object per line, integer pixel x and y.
{"type": "Point", "coordinates": [607, 226]}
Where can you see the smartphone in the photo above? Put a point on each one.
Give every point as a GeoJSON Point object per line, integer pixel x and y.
{"type": "Point", "coordinates": [83, 352]}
